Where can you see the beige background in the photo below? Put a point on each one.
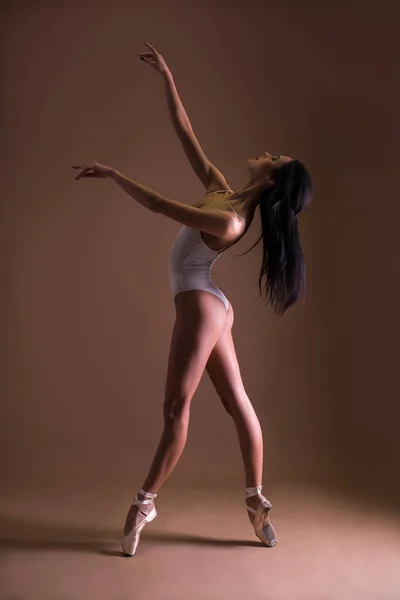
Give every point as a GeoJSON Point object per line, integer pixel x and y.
{"type": "Point", "coordinates": [87, 312]}
{"type": "Point", "coordinates": [86, 307]}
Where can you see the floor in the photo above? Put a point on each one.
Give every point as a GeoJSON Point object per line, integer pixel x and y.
{"type": "Point", "coordinates": [66, 546]}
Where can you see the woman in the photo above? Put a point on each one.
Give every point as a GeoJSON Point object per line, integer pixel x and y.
{"type": "Point", "coordinates": [202, 337]}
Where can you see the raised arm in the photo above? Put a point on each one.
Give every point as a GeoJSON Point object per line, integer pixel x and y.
{"type": "Point", "coordinates": [209, 175]}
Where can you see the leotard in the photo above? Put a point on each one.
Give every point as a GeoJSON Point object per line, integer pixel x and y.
{"type": "Point", "coordinates": [191, 261]}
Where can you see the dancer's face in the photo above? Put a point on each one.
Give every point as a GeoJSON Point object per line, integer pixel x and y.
{"type": "Point", "coordinates": [264, 165]}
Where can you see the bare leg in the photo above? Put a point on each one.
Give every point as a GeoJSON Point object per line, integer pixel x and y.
{"type": "Point", "coordinates": [251, 445]}
{"type": "Point", "coordinates": [250, 439]}
{"type": "Point", "coordinates": [224, 372]}
{"type": "Point", "coordinates": [174, 438]}
{"type": "Point", "coordinates": [170, 448]}
{"type": "Point", "coordinates": [201, 317]}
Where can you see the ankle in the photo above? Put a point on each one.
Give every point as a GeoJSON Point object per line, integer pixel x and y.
{"type": "Point", "coordinates": [253, 491]}
{"type": "Point", "coordinates": [146, 495]}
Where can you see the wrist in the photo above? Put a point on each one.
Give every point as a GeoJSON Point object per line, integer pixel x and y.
{"type": "Point", "coordinates": [113, 173]}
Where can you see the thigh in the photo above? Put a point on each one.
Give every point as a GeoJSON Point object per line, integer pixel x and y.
{"type": "Point", "coordinates": [224, 371]}
{"type": "Point", "coordinates": [200, 320]}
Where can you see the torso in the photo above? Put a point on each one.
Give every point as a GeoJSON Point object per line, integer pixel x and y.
{"type": "Point", "coordinates": [194, 252]}
{"type": "Point", "coordinates": [218, 199]}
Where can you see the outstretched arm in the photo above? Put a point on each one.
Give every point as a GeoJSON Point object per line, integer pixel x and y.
{"type": "Point", "coordinates": [208, 174]}
{"type": "Point", "coordinates": [221, 223]}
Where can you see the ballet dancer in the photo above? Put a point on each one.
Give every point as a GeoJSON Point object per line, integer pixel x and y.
{"type": "Point", "coordinates": [281, 188]}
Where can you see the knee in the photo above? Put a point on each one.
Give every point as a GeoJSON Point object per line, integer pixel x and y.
{"type": "Point", "coordinates": [176, 411]}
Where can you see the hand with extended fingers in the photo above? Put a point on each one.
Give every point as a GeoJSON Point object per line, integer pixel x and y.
{"type": "Point", "coordinates": [155, 59]}
{"type": "Point", "coordinates": [94, 169]}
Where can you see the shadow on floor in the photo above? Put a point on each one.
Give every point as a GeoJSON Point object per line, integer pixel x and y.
{"type": "Point", "coordinates": [42, 535]}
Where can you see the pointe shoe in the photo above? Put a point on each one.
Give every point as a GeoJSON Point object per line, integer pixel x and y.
{"type": "Point", "coordinates": [131, 539]}
{"type": "Point", "coordinates": [261, 523]}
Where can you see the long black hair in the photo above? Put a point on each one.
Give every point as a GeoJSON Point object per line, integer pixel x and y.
{"type": "Point", "coordinates": [283, 262]}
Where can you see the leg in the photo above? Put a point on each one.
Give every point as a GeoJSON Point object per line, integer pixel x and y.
{"type": "Point", "coordinates": [224, 372]}
{"type": "Point", "coordinates": [195, 333]}
{"type": "Point", "coordinates": [200, 319]}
